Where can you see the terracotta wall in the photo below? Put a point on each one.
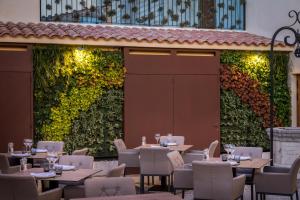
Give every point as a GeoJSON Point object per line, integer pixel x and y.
{"type": "Point", "coordinates": [172, 91]}
{"type": "Point", "coordinates": [16, 112]}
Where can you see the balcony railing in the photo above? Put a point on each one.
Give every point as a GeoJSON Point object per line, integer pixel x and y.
{"type": "Point", "coordinates": [222, 14]}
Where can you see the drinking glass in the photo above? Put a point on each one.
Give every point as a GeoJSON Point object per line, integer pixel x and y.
{"type": "Point", "coordinates": [52, 157]}
{"type": "Point", "coordinates": [157, 137]}
{"type": "Point", "coordinates": [28, 144]}
{"type": "Point", "coordinates": [10, 147]}
{"type": "Point", "coordinates": [232, 149]}
{"type": "Point", "coordinates": [227, 148]}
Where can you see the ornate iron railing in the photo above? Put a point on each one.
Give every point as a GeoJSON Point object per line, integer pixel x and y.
{"type": "Point", "coordinates": [224, 14]}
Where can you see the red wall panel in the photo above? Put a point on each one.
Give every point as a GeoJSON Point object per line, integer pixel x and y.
{"type": "Point", "coordinates": [171, 93]}
{"type": "Point", "coordinates": [16, 102]}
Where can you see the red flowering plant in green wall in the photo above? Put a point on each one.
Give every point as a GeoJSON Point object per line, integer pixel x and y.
{"type": "Point", "coordinates": [245, 98]}
{"type": "Point", "coordinates": [248, 90]}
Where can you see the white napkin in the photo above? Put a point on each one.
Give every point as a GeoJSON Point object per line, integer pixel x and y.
{"type": "Point", "coordinates": [65, 167]}
{"type": "Point", "coordinates": [41, 150]}
{"type": "Point", "coordinates": [43, 174]}
{"type": "Point", "coordinates": [20, 154]}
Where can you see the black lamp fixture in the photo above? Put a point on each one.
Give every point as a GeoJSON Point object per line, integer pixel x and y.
{"type": "Point", "coordinates": [293, 39]}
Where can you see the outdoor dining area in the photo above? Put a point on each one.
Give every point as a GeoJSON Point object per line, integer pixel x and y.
{"type": "Point", "coordinates": [47, 172]}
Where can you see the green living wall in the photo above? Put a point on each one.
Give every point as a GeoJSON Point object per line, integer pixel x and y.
{"type": "Point", "coordinates": [79, 97]}
{"type": "Point", "coordinates": [245, 98]}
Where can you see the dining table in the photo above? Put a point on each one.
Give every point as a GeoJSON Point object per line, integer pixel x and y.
{"type": "Point", "coordinates": [180, 147]}
{"type": "Point", "coordinates": [152, 196]}
{"type": "Point", "coordinates": [71, 177]}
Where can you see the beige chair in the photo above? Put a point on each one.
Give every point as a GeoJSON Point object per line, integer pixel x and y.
{"type": "Point", "coordinates": [16, 187]}
{"type": "Point", "coordinates": [80, 162]}
{"type": "Point", "coordinates": [211, 149]}
{"type": "Point", "coordinates": [115, 172]}
{"type": "Point", "coordinates": [214, 180]}
{"type": "Point", "coordinates": [51, 146]}
{"type": "Point", "coordinates": [253, 152]}
{"type": "Point", "coordinates": [278, 181]}
{"type": "Point", "coordinates": [114, 186]}
{"type": "Point", "coordinates": [182, 173]}
{"type": "Point", "coordinates": [128, 156]}
{"type": "Point", "coordinates": [154, 162]}
{"type": "Point", "coordinates": [81, 152]}
{"type": "Point", "coordinates": [177, 139]}
{"type": "Point", "coordinates": [5, 167]}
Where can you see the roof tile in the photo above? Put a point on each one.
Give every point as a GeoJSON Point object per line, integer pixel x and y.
{"type": "Point", "coordinates": [168, 35]}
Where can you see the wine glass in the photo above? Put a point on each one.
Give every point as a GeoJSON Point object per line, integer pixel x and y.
{"type": "Point", "coordinates": [232, 149]}
{"type": "Point", "coordinates": [29, 144]}
{"type": "Point", "coordinates": [157, 137]}
{"type": "Point", "coordinates": [25, 142]}
{"type": "Point", "coordinates": [52, 157]}
{"type": "Point", "coordinates": [227, 148]}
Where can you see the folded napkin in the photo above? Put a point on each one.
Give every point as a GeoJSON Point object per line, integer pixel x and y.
{"type": "Point", "coordinates": [43, 174]}
{"type": "Point", "coordinates": [65, 167]}
{"type": "Point", "coordinates": [41, 150]}
{"type": "Point", "coordinates": [20, 154]}
{"type": "Point", "coordinates": [245, 158]}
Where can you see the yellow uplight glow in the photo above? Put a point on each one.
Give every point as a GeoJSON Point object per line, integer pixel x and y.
{"type": "Point", "coordinates": [80, 55]}
{"type": "Point", "coordinates": [256, 59]}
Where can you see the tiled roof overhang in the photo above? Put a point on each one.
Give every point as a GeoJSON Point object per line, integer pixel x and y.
{"type": "Point", "coordinates": [120, 36]}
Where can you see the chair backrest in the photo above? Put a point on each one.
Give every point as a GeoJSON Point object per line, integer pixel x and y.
{"type": "Point", "coordinates": [117, 171]}
{"type": "Point", "coordinates": [155, 161]}
{"type": "Point", "coordinates": [51, 146]}
{"type": "Point", "coordinates": [178, 139]}
{"type": "Point", "coordinates": [113, 186]}
{"type": "Point", "coordinates": [80, 162]}
{"type": "Point", "coordinates": [212, 180]}
{"type": "Point", "coordinates": [16, 187]}
{"type": "Point", "coordinates": [4, 164]}
{"type": "Point", "coordinates": [82, 152]}
{"type": "Point", "coordinates": [294, 172]}
{"type": "Point", "coordinates": [120, 145]}
{"type": "Point", "coordinates": [176, 159]}
{"type": "Point", "coordinates": [253, 152]}
{"type": "Point", "coordinates": [212, 148]}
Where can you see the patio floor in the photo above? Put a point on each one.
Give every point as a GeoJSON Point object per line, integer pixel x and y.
{"type": "Point", "coordinates": [105, 165]}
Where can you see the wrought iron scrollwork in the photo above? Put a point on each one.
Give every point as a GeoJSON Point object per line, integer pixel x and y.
{"type": "Point", "coordinates": [296, 15]}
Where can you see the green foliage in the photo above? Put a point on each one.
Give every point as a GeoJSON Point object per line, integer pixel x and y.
{"type": "Point", "coordinates": [67, 83]}
{"type": "Point", "coordinates": [99, 126]}
{"type": "Point", "coordinates": [239, 124]}
{"type": "Point", "coordinates": [257, 66]}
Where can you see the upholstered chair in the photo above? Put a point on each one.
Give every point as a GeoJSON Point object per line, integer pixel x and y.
{"type": "Point", "coordinates": [253, 152]}
{"type": "Point", "coordinates": [211, 149]}
{"type": "Point", "coordinates": [113, 186]}
{"type": "Point", "coordinates": [154, 162]}
{"type": "Point", "coordinates": [80, 162]}
{"type": "Point", "coordinates": [81, 152]}
{"type": "Point", "coordinates": [278, 180]}
{"type": "Point", "coordinates": [114, 172]}
{"type": "Point", "coordinates": [51, 146]}
{"type": "Point", "coordinates": [16, 187]}
{"type": "Point", "coordinates": [5, 167]}
{"type": "Point", "coordinates": [182, 173]}
{"type": "Point", "coordinates": [128, 156]}
{"type": "Point", "coordinates": [177, 139]}
{"type": "Point", "coordinates": [214, 180]}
